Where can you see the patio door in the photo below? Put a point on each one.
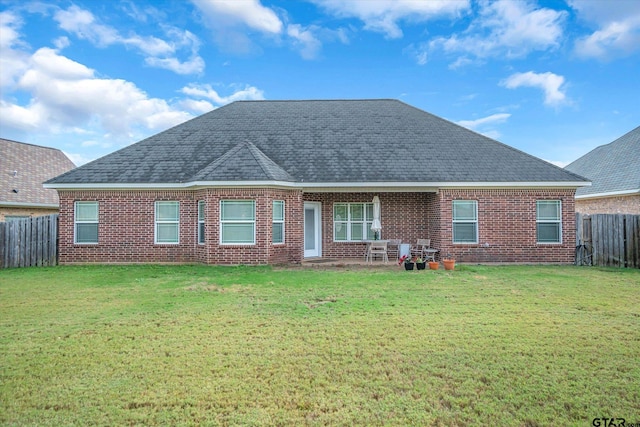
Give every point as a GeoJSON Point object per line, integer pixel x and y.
{"type": "Point", "coordinates": [312, 230]}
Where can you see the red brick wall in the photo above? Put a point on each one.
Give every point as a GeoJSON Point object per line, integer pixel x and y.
{"type": "Point", "coordinates": [404, 216]}
{"type": "Point", "coordinates": [507, 223]}
{"type": "Point", "coordinates": [507, 226]}
{"type": "Point", "coordinates": [126, 228]}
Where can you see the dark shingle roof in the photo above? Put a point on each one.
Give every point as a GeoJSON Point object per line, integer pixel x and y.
{"type": "Point", "coordinates": [24, 168]}
{"type": "Point", "coordinates": [325, 141]}
{"type": "Point", "coordinates": [611, 167]}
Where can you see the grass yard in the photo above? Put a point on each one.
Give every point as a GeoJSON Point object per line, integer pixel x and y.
{"type": "Point", "coordinates": [198, 345]}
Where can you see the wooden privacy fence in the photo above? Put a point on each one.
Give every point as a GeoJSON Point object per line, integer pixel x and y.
{"type": "Point", "coordinates": [29, 242]}
{"type": "Point", "coordinates": [609, 240]}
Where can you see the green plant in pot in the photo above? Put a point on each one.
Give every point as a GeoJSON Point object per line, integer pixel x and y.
{"type": "Point", "coordinates": [407, 261]}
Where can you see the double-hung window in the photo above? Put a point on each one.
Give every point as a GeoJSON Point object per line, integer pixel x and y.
{"type": "Point", "coordinates": [86, 222]}
{"type": "Point", "coordinates": [352, 222]}
{"type": "Point", "coordinates": [167, 223]}
{"type": "Point", "coordinates": [201, 222]}
{"type": "Point", "coordinates": [237, 222]}
{"type": "Point", "coordinates": [277, 227]}
{"type": "Point", "coordinates": [549, 221]}
{"type": "Point", "coordinates": [465, 221]}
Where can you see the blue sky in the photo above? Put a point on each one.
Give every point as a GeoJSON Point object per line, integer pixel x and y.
{"type": "Point", "coordinates": [552, 78]}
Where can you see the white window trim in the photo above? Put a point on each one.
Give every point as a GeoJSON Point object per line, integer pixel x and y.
{"type": "Point", "coordinates": [76, 222]}
{"type": "Point", "coordinates": [465, 221]}
{"type": "Point", "coordinates": [201, 239]}
{"type": "Point", "coordinates": [548, 221]}
{"type": "Point", "coordinates": [158, 222]}
{"type": "Point", "coordinates": [279, 221]}
{"type": "Point", "coordinates": [348, 222]}
{"type": "Point", "coordinates": [236, 221]}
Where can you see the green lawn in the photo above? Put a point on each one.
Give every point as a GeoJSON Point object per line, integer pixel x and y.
{"type": "Point", "coordinates": [197, 345]}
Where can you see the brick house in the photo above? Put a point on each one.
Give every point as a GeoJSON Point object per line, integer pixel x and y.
{"type": "Point", "coordinates": [263, 182]}
{"type": "Point", "coordinates": [24, 168]}
{"type": "Point", "coordinates": [614, 170]}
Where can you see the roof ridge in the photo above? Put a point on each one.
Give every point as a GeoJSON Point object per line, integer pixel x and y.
{"type": "Point", "coordinates": [220, 160]}
{"type": "Point", "coordinates": [32, 145]}
{"type": "Point", "coordinates": [265, 163]}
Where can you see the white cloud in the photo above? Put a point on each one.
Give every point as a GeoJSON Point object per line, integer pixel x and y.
{"type": "Point", "coordinates": [383, 15]}
{"type": "Point", "coordinates": [484, 125]}
{"type": "Point", "coordinates": [232, 22]}
{"type": "Point", "coordinates": [198, 107]}
{"type": "Point", "coordinates": [248, 12]}
{"type": "Point", "coordinates": [618, 32]}
{"type": "Point", "coordinates": [550, 83]}
{"type": "Point", "coordinates": [64, 94]}
{"type": "Point", "coordinates": [492, 119]}
{"type": "Point", "coordinates": [194, 65]}
{"type": "Point", "coordinates": [505, 28]}
{"type": "Point", "coordinates": [12, 61]}
{"type": "Point", "coordinates": [158, 53]}
{"type": "Point", "coordinates": [419, 52]}
{"type": "Point", "coordinates": [206, 91]}
{"type": "Point", "coordinates": [558, 163]}
{"type": "Point", "coordinates": [305, 40]}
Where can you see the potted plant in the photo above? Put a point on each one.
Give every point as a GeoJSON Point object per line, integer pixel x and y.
{"type": "Point", "coordinates": [434, 265]}
{"type": "Point", "coordinates": [407, 261]}
{"type": "Point", "coordinates": [420, 264]}
{"type": "Point", "coordinates": [449, 262]}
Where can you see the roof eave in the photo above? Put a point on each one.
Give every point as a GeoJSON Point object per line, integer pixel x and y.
{"type": "Point", "coordinates": [317, 186]}
{"type": "Point", "coordinates": [609, 194]}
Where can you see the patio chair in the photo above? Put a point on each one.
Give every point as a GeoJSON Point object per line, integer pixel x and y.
{"type": "Point", "coordinates": [423, 249]}
{"type": "Point", "coordinates": [378, 248]}
{"type": "Point", "coordinates": [393, 248]}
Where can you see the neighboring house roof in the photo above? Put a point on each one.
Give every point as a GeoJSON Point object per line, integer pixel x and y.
{"type": "Point", "coordinates": [24, 168]}
{"type": "Point", "coordinates": [613, 168]}
{"type": "Point", "coordinates": [323, 143]}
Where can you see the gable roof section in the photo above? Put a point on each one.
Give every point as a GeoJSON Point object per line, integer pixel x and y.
{"type": "Point", "coordinates": [318, 143]}
{"type": "Point", "coordinates": [613, 168]}
{"type": "Point", "coordinates": [24, 168]}
{"type": "Point", "coordinates": [243, 162]}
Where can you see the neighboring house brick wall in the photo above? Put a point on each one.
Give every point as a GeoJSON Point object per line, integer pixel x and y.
{"type": "Point", "coordinates": [507, 223]}
{"type": "Point", "coordinates": [30, 212]}
{"type": "Point", "coordinates": [629, 205]}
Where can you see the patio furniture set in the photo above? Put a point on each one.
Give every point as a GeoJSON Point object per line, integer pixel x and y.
{"type": "Point", "coordinates": [395, 248]}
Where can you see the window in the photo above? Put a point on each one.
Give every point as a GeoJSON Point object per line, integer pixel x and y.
{"type": "Point", "coordinates": [549, 221]}
{"type": "Point", "coordinates": [465, 221]}
{"type": "Point", "coordinates": [277, 227]}
{"type": "Point", "coordinates": [167, 222]}
{"type": "Point", "coordinates": [237, 222]}
{"type": "Point", "coordinates": [201, 222]}
{"type": "Point", "coordinates": [352, 222]}
{"type": "Point", "coordinates": [86, 222]}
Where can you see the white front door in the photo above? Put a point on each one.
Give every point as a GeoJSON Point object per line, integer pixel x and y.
{"type": "Point", "coordinates": [312, 230]}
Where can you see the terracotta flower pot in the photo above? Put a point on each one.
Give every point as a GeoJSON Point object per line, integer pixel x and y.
{"type": "Point", "coordinates": [449, 264]}
{"type": "Point", "coordinates": [433, 265]}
